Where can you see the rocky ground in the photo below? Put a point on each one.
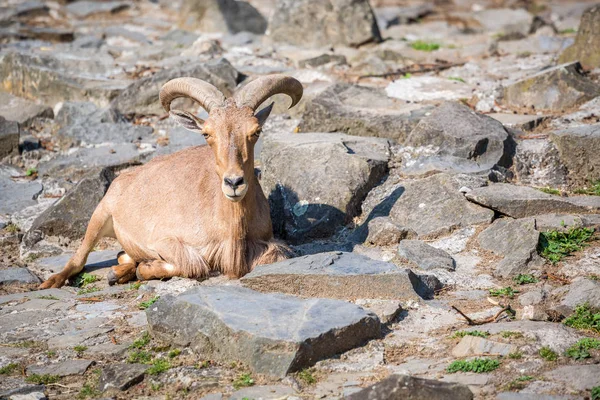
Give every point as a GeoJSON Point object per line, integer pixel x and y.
{"type": "Point", "coordinates": [439, 182]}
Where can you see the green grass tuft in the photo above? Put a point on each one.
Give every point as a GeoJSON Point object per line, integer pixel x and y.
{"type": "Point", "coordinates": [478, 365]}
{"type": "Point", "coordinates": [592, 190]}
{"type": "Point", "coordinates": [549, 190]}
{"type": "Point", "coordinates": [45, 379]}
{"type": "Point", "coordinates": [139, 357]}
{"type": "Point", "coordinates": [243, 380]}
{"type": "Point", "coordinates": [80, 348]}
{"type": "Point", "coordinates": [9, 369]}
{"type": "Point", "coordinates": [159, 365]}
{"type": "Point", "coordinates": [174, 353]}
{"type": "Point", "coordinates": [525, 279]}
{"type": "Point", "coordinates": [548, 354]}
{"type": "Point", "coordinates": [504, 292]}
{"type": "Point", "coordinates": [306, 376]}
{"type": "Point", "coordinates": [517, 355]}
{"type": "Point", "coordinates": [456, 78]}
{"type": "Point", "coordinates": [88, 290]}
{"type": "Point", "coordinates": [585, 318]}
{"type": "Point", "coordinates": [84, 279]}
{"type": "Point", "coordinates": [511, 334]}
{"type": "Point", "coordinates": [556, 245]}
{"type": "Point", "coordinates": [145, 304]}
{"type": "Point", "coordinates": [88, 390]}
{"type": "Point", "coordinates": [141, 342]}
{"type": "Point", "coordinates": [581, 349]}
{"type": "Point", "coordinates": [11, 228]}
{"type": "Point", "coordinates": [31, 172]}
{"type": "Point", "coordinates": [424, 46]}
{"type": "Point", "coordinates": [461, 334]}
{"type": "Point", "coordinates": [135, 285]}
{"type": "Point", "coordinates": [596, 393]}
{"type": "Point", "coordinates": [49, 297]}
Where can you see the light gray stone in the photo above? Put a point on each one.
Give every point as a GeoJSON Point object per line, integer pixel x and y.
{"type": "Point", "coordinates": [313, 23]}
{"type": "Point", "coordinates": [505, 21]}
{"type": "Point", "coordinates": [477, 346]}
{"type": "Point", "coordinates": [538, 163]}
{"type": "Point", "coordinates": [22, 110]}
{"type": "Point", "coordinates": [555, 89]}
{"type": "Point", "coordinates": [533, 396]}
{"type": "Point", "coordinates": [312, 203]}
{"type": "Point", "coordinates": [108, 350]}
{"type": "Point", "coordinates": [270, 392]}
{"type": "Point", "coordinates": [121, 376]}
{"type": "Point", "coordinates": [581, 290]}
{"type": "Point", "coordinates": [515, 240]}
{"type": "Point", "coordinates": [337, 275]}
{"type": "Point", "coordinates": [577, 377]}
{"type": "Point", "coordinates": [434, 206]}
{"type": "Point", "coordinates": [74, 337]}
{"type": "Point", "coordinates": [586, 49]}
{"type": "Point", "coordinates": [404, 386]}
{"type": "Point", "coordinates": [273, 334]}
{"type": "Point", "coordinates": [85, 8]}
{"type": "Point", "coordinates": [386, 310]}
{"type": "Point", "coordinates": [425, 256]}
{"type": "Point", "coordinates": [61, 368]}
{"type": "Point", "coordinates": [360, 111]}
{"type": "Point", "coordinates": [17, 275]}
{"type": "Point", "coordinates": [521, 201]}
{"type": "Point", "coordinates": [519, 121]}
{"type": "Point", "coordinates": [16, 194]}
{"type": "Point", "coordinates": [383, 232]}
{"type": "Point", "coordinates": [96, 261]}
{"type": "Point", "coordinates": [579, 149]}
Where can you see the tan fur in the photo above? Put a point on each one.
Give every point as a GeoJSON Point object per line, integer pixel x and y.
{"type": "Point", "coordinates": [172, 216]}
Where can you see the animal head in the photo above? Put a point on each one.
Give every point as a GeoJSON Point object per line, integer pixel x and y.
{"type": "Point", "coordinates": [233, 126]}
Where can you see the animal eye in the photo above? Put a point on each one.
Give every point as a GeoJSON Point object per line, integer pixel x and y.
{"type": "Point", "coordinates": [257, 133]}
{"type": "Point", "coordinates": [206, 135]}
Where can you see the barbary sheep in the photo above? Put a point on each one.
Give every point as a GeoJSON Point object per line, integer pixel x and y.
{"type": "Point", "coordinates": [198, 210]}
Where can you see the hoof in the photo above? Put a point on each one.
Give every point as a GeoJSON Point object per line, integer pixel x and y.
{"type": "Point", "coordinates": [112, 278]}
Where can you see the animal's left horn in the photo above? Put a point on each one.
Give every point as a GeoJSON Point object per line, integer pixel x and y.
{"type": "Point", "coordinates": [203, 92]}
{"type": "Point", "coordinates": [256, 92]}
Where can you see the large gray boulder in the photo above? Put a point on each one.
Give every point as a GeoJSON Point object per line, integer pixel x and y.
{"type": "Point", "coordinates": [313, 202]}
{"type": "Point", "coordinates": [400, 387]}
{"type": "Point", "coordinates": [434, 206]}
{"type": "Point", "coordinates": [226, 16]}
{"type": "Point", "coordinates": [576, 377]}
{"type": "Point", "coordinates": [521, 201]}
{"type": "Point", "coordinates": [273, 334]}
{"type": "Point", "coordinates": [141, 97]}
{"type": "Point", "coordinates": [579, 149]}
{"type": "Point", "coordinates": [17, 275]}
{"type": "Point", "coordinates": [337, 275]}
{"type": "Point", "coordinates": [537, 162]}
{"type": "Point", "coordinates": [360, 111]}
{"type": "Point", "coordinates": [556, 89]}
{"type": "Point", "coordinates": [456, 139]}
{"type": "Point", "coordinates": [516, 241]}
{"type": "Point", "coordinates": [315, 23]}
{"type": "Point", "coordinates": [586, 49]}
{"type": "Point", "coordinates": [16, 195]}
{"type": "Point", "coordinates": [121, 376]}
{"type": "Point", "coordinates": [580, 291]}
{"type": "Point", "coordinates": [9, 137]}
{"type": "Point", "coordinates": [86, 134]}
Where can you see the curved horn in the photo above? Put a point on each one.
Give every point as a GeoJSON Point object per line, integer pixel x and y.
{"type": "Point", "coordinates": [204, 93]}
{"type": "Point", "coordinates": [256, 92]}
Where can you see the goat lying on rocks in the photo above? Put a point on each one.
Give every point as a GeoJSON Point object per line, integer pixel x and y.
{"type": "Point", "coordinates": [198, 210]}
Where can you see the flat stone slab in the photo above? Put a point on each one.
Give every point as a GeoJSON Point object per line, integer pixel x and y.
{"type": "Point", "coordinates": [17, 275]}
{"type": "Point", "coordinates": [337, 275]}
{"type": "Point", "coordinates": [121, 376]}
{"type": "Point", "coordinates": [63, 368]}
{"type": "Point", "coordinates": [477, 346]}
{"type": "Point", "coordinates": [16, 194]}
{"type": "Point", "coordinates": [425, 256]}
{"type": "Point", "coordinates": [407, 387]}
{"type": "Point", "coordinates": [270, 392]}
{"type": "Point", "coordinates": [273, 334]}
{"type": "Point", "coordinates": [21, 110]}
{"type": "Point", "coordinates": [522, 201]}
{"type": "Point", "coordinates": [578, 377]}
{"type": "Point", "coordinates": [97, 260]}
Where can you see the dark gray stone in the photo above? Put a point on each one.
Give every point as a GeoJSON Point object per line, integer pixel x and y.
{"type": "Point", "coordinates": [360, 111]}
{"type": "Point", "coordinates": [311, 203]}
{"type": "Point", "coordinates": [85, 113]}
{"type": "Point", "coordinates": [314, 23]}
{"type": "Point", "coordinates": [425, 256]}
{"type": "Point", "coordinates": [457, 139]}
{"type": "Point", "coordinates": [9, 137]}
{"type": "Point", "coordinates": [579, 149]}
{"type": "Point", "coordinates": [401, 387]}
{"type": "Point", "coordinates": [586, 48]}
{"type": "Point", "coordinates": [141, 97]}
{"type": "Point", "coordinates": [226, 16]}
{"type": "Point", "coordinates": [537, 162]}
{"type": "Point", "coordinates": [382, 231]}
{"type": "Point", "coordinates": [21, 110]}
{"type": "Point", "coordinates": [121, 376]}
{"type": "Point", "coordinates": [337, 275]}
{"type": "Point", "coordinates": [61, 368]}
{"type": "Point", "coordinates": [434, 206]}
{"type": "Point", "coordinates": [555, 89]}
{"type": "Point", "coordinates": [17, 275]}
{"type": "Point", "coordinates": [521, 201]}
{"type": "Point", "coordinates": [515, 240]}
{"type": "Point", "coordinates": [273, 334]}
{"type": "Point", "coordinates": [323, 59]}
{"type": "Point", "coordinates": [398, 15]}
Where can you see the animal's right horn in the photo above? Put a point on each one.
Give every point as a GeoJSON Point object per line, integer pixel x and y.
{"type": "Point", "coordinates": [202, 92]}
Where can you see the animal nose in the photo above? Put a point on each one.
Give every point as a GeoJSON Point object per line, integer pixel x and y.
{"type": "Point", "coordinates": [234, 181]}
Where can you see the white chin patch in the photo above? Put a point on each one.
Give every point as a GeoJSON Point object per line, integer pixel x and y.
{"type": "Point", "coordinates": [235, 199]}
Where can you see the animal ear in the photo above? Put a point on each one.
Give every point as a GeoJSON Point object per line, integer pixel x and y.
{"type": "Point", "coordinates": [263, 114]}
{"type": "Point", "coordinates": [187, 120]}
